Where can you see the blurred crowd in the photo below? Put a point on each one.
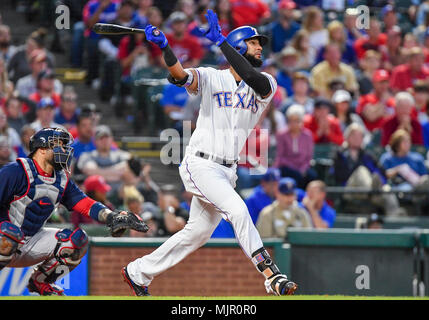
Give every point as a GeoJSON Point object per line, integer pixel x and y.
{"type": "Point", "coordinates": [358, 94]}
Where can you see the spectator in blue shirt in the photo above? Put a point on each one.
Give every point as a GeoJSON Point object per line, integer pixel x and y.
{"type": "Point", "coordinates": [349, 20]}
{"type": "Point", "coordinates": [173, 102]}
{"type": "Point", "coordinates": [285, 28]}
{"type": "Point", "coordinates": [264, 194]}
{"type": "Point", "coordinates": [322, 215]}
{"type": "Point", "coordinates": [103, 11]}
{"type": "Point", "coordinates": [85, 139]}
{"type": "Point", "coordinates": [288, 61]}
{"type": "Point", "coordinates": [404, 168]}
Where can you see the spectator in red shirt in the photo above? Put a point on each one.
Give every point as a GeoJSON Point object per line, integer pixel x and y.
{"type": "Point", "coordinates": [404, 75]}
{"type": "Point", "coordinates": [45, 89]}
{"type": "Point", "coordinates": [403, 119]}
{"type": "Point", "coordinates": [393, 53]}
{"type": "Point", "coordinates": [249, 12]}
{"type": "Point", "coordinates": [133, 54]}
{"type": "Point", "coordinates": [184, 46]}
{"type": "Point", "coordinates": [375, 106]}
{"type": "Point", "coordinates": [324, 126]}
{"type": "Point", "coordinates": [373, 41]}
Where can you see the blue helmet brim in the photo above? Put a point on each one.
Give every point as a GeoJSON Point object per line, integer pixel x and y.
{"type": "Point", "coordinates": [263, 40]}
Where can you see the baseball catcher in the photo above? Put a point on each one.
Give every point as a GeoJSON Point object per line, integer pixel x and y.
{"type": "Point", "coordinates": [30, 189]}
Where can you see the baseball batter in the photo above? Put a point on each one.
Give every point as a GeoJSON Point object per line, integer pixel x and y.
{"type": "Point", "coordinates": [232, 102]}
{"type": "Point", "coordinates": [30, 190]}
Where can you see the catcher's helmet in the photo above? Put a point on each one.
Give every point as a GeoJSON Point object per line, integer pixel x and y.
{"type": "Point", "coordinates": [236, 38]}
{"type": "Point", "coordinates": [57, 139]}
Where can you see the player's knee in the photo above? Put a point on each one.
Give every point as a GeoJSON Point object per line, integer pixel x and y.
{"type": "Point", "coordinates": [11, 238]}
{"type": "Point", "coordinates": [71, 247]}
{"type": "Point", "coordinates": [238, 214]}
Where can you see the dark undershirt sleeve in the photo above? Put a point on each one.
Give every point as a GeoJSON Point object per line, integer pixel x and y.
{"type": "Point", "coordinates": [256, 80]}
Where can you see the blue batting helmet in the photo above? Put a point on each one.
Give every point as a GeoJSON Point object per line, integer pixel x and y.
{"type": "Point", "coordinates": [237, 37]}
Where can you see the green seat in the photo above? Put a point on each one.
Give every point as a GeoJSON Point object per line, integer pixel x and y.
{"type": "Point", "coordinates": [147, 87]}
{"type": "Point", "coordinates": [322, 160]}
{"type": "Point", "coordinates": [324, 151]}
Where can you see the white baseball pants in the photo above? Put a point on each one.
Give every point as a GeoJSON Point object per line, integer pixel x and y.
{"type": "Point", "coordinates": [214, 198]}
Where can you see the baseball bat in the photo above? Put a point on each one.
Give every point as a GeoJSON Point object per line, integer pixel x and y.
{"type": "Point", "coordinates": [114, 29]}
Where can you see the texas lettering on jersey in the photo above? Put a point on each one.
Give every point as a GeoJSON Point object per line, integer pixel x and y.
{"type": "Point", "coordinates": [228, 112]}
{"type": "Point", "coordinates": [224, 99]}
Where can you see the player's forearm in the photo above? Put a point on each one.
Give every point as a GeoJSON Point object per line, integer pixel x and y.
{"type": "Point", "coordinates": [173, 64]}
{"type": "Point", "coordinates": [256, 80]}
{"type": "Point", "coordinates": [95, 210]}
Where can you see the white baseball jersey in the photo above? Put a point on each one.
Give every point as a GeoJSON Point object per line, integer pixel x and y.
{"type": "Point", "coordinates": [228, 113]}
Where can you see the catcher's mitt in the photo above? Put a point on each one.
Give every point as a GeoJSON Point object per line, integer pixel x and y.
{"type": "Point", "coordinates": [119, 223]}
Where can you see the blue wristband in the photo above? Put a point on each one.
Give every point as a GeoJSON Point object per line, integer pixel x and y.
{"type": "Point", "coordinates": [220, 41]}
{"type": "Point", "coordinates": [164, 44]}
{"type": "Point", "coordinates": [95, 209]}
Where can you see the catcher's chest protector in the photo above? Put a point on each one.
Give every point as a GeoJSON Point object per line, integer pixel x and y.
{"type": "Point", "coordinates": [43, 195]}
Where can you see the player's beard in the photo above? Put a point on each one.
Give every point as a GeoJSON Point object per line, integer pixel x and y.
{"type": "Point", "coordinates": [56, 166]}
{"type": "Point", "coordinates": [255, 62]}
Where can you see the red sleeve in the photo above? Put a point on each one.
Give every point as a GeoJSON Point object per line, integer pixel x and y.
{"type": "Point", "coordinates": [123, 48]}
{"type": "Point", "coordinates": [155, 51]}
{"type": "Point", "coordinates": [310, 125]}
{"type": "Point", "coordinates": [359, 48]}
{"type": "Point", "coordinates": [335, 134]}
{"type": "Point", "coordinates": [57, 100]}
{"type": "Point", "coordinates": [264, 10]}
{"type": "Point", "coordinates": [417, 135]}
{"type": "Point", "coordinates": [387, 131]}
{"type": "Point", "coordinates": [396, 80]}
{"type": "Point", "coordinates": [362, 102]}
{"type": "Point", "coordinates": [73, 132]}
{"type": "Point", "coordinates": [84, 206]}
{"type": "Point", "coordinates": [382, 39]}
{"type": "Point", "coordinates": [34, 97]}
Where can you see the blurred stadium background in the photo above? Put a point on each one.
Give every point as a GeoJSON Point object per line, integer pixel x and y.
{"type": "Point", "coordinates": [349, 124]}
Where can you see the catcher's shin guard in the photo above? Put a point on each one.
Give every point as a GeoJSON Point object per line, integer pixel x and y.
{"type": "Point", "coordinates": [69, 251]}
{"type": "Point", "coordinates": [275, 282]}
{"type": "Point", "coordinates": [137, 290]}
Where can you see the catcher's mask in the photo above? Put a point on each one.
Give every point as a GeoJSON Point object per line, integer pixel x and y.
{"type": "Point", "coordinates": [57, 139]}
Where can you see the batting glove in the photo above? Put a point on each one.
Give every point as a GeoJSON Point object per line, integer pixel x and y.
{"type": "Point", "coordinates": [214, 32]}
{"type": "Point", "coordinates": [156, 36]}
